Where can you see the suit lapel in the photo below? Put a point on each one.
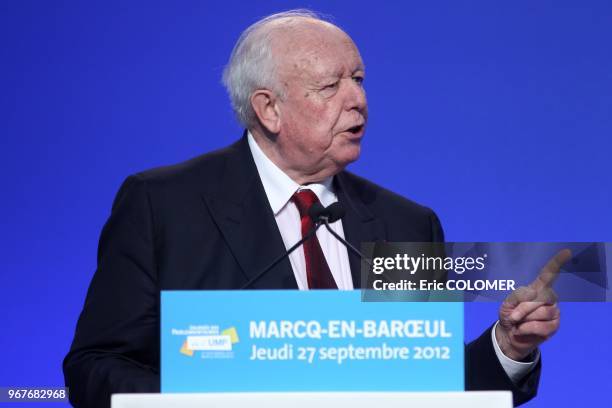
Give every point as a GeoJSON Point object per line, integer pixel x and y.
{"type": "Point", "coordinates": [240, 208]}
{"type": "Point", "coordinates": [360, 225]}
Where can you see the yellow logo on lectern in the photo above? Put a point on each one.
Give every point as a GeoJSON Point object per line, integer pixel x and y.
{"type": "Point", "coordinates": [185, 349]}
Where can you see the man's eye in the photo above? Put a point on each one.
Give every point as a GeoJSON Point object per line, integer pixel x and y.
{"type": "Point", "coordinates": [358, 79]}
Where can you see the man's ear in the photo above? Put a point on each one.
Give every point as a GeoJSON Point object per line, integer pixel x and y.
{"type": "Point", "coordinates": [264, 103]}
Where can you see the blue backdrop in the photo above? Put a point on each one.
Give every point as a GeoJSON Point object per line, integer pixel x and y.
{"type": "Point", "coordinates": [507, 104]}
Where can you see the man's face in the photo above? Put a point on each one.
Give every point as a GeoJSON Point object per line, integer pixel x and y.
{"type": "Point", "coordinates": [324, 111]}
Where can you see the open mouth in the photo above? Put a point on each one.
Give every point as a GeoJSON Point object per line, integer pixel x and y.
{"type": "Point", "coordinates": [355, 129]}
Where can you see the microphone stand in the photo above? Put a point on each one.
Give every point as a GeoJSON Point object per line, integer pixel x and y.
{"type": "Point", "coordinates": [325, 220]}
{"type": "Point", "coordinates": [310, 233]}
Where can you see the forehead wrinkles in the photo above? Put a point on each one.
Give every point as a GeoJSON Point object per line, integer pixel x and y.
{"type": "Point", "coordinates": [314, 52]}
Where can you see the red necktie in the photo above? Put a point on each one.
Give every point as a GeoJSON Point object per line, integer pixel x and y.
{"type": "Point", "coordinates": [317, 271]}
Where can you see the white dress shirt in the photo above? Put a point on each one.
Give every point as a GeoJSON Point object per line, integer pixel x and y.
{"type": "Point", "coordinates": [515, 369]}
{"type": "Point", "coordinates": [279, 189]}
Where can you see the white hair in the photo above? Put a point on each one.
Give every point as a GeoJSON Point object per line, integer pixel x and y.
{"type": "Point", "coordinates": [251, 65]}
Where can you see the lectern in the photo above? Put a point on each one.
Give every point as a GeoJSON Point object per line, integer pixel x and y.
{"type": "Point", "coordinates": [470, 399]}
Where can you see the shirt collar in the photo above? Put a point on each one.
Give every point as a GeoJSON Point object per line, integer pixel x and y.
{"type": "Point", "coordinates": [279, 187]}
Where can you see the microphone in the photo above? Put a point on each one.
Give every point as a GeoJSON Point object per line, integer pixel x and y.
{"type": "Point", "coordinates": [331, 213]}
{"type": "Point", "coordinates": [320, 216]}
{"type": "Point", "coordinates": [315, 215]}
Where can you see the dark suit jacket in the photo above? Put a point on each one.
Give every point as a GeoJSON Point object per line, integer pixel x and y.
{"type": "Point", "coordinates": [207, 224]}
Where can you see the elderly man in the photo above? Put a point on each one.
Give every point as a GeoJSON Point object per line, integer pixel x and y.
{"type": "Point", "coordinates": [296, 84]}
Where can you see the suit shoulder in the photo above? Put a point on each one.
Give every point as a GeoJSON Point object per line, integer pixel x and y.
{"type": "Point", "coordinates": [181, 181]}
{"type": "Point", "coordinates": [197, 169]}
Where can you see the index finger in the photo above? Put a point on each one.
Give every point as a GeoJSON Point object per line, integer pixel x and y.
{"type": "Point", "coordinates": [550, 271]}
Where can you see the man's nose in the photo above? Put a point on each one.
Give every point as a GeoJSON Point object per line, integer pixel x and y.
{"type": "Point", "coordinates": [355, 96]}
